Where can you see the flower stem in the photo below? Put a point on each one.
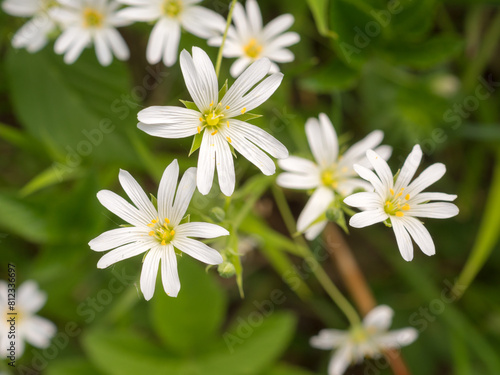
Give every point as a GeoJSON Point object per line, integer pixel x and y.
{"type": "Point", "coordinates": [323, 278]}
{"type": "Point", "coordinates": [228, 23]}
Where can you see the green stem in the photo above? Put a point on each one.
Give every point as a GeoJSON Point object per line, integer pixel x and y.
{"type": "Point", "coordinates": [228, 23]}
{"type": "Point", "coordinates": [323, 278]}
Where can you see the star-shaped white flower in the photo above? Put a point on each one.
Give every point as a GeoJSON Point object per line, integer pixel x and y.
{"type": "Point", "coordinates": [249, 41]}
{"type": "Point", "coordinates": [369, 339]}
{"type": "Point", "coordinates": [156, 230]}
{"type": "Point", "coordinates": [34, 34]}
{"type": "Point", "coordinates": [217, 120]}
{"type": "Point", "coordinates": [171, 16]}
{"type": "Point", "coordinates": [90, 21]}
{"type": "Point", "coordinates": [331, 174]}
{"type": "Point", "coordinates": [29, 327]}
{"type": "Point", "coordinates": [401, 201]}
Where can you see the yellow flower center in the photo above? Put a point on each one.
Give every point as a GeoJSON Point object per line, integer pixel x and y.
{"type": "Point", "coordinates": [172, 8]}
{"type": "Point", "coordinates": [252, 49]}
{"type": "Point", "coordinates": [92, 18]}
{"type": "Point", "coordinates": [213, 119]}
{"type": "Point", "coordinates": [163, 232]}
{"type": "Point", "coordinates": [396, 204]}
{"type": "Point", "coordinates": [329, 179]}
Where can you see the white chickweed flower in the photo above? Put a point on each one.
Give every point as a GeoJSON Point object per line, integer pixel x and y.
{"type": "Point", "coordinates": [369, 339]}
{"type": "Point", "coordinates": [401, 202]}
{"type": "Point", "coordinates": [249, 41]}
{"type": "Point", "coordinates": [90, 21]}
{"type": "Point", "coordinates": [219, 121]}
{"type": "Point", "coordinates": [156, 231]}
{"type": "Point", "coordinates": [29, 327]}
{"type": "Point", "coordinates": [170, 16]}
{"type": "Point", "coordinates": [34, 34]}
{"type": "Point", "coordinates": [331, 173]}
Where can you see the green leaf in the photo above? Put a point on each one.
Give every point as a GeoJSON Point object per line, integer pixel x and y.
{"type": "Point", "coordinates": [73, 366]}
{"type": "Point", "coordinates": [247, 116]}
{"type": "Point", "coordinates": [48, 177]}
{"type": "Point", "coordinates": [285, 369]}
{"type": "Point", "coordinates": [196, 143]}
{"type": "Point", "coordinates": [189, 105]}
{"type": "Point", "coordinates": [223, 90]}
{"type": "Point", "coordinates": [334, 76]}
{"type": "Point", "coordinates": [189, 322]}
{"type": "Point", "coordinates": [319, 9]}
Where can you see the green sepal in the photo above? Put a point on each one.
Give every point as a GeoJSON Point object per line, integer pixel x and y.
{"type": "Point", "coordinates": [387, 223]}
{"type": "Point", "coordinates": [396, 176]}
{"type": "Point", "coordinates": [336, 215]}
{"type": "Point", "coordinates": [247, 116]}
{"type": "Point", "coordinates": [232, 151]}
{"type": "Point", "coordinates": [126, 226]}
{"type": "Point", "coordinates": [223, 90]}
{"type": "Point", "coordinates": [189, 105]}
{"type": "Point", "coordinates": [196, 143]}
{"type": "Point", "coordinates": [154, 201]}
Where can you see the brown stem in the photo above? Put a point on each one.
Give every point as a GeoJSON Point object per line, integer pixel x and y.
{"type": "Point", "coordinates": [357, 286]}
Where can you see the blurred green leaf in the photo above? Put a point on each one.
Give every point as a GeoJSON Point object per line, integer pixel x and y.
{"type": "Point", "coordinates": [284, 369]}
{"type": "Point", "coordinates": [48, 177]}
{"type": "Point", "coordinates": [333, 76]}
{"type": "Point", "coordinates": [319, 10]}
{"type": "Point", "coordinates": [73, 366]}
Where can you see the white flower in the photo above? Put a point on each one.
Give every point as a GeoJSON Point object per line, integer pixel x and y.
{"type": "Point", "coordinates": [369, 339]}
{"type": "Point", "coordinates": [331, 174]}
{"type": "Point", "coordinates": [29, 327]}
{"type": "Point", "coordinates": [401, 201]}
{"type": "Point", "coordinates": [170, 16]}
{"type": "Point", "coordinates": [34, 34]}
{"type": "Point", "coordinates": [249, 41]}
{"type": "Point", "coordinates": [218, 120]}
{"type": "Point", "coordinates": [156, 230]}
{"type": "Point", "coordinates": [90, 21]}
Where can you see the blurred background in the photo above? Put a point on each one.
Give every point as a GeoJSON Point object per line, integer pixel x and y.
{"type": "Point", "coordinates": [424, 72]}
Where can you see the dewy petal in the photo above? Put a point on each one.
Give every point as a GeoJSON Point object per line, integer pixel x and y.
{"type": "Point", "coordinates": [427, 177]}
{"type": "Point", "coordinates": [149, 273]}
{"type": "Point", "coordinates": [124, 252]}
{"type": "Point", "coordinates": [225, 166]}
{"type": "Point", "coordinates": [120, 207]}
{"type": "Point", "coordinates": [437, 210]}
{"type": "Point", "coordinates": [397, 338]}
{"type": "Point", "coordinates": [317, 205]}
{"type": "Point", "coordinates": [298, 165]}
{"type": "Point", "coordinates": [166, 190]}
{"type": "Point", "coordinates": [368, 201]}
{"type": "Point", "coordinates": [169, 274]}
{"type": "Point", "coordinates": [117, 237]}
{"type": "Point", "coordinates": [137, 195]}
{"type": "Point", "coordinates": [183, 196]}
{"type": "Point", "coordinates": [38, 331]}
{"type": "Point", "coordinates": [340, 361]}
{"type": "Point", "coordinates": [366, 218]}
{"type": "Point", "coordinates": [298, 181]}
{"type": "Point", "coordinates": [382, 169]}
{"type": "Point", "coordinates": [380, 318]}
{"type": "Point", "coordinates": [206, 163]}
{"type": "Point", "coordinates": [277, 26]}
{"type": "Point", "coordinates": [197, 250]}
{"type": "Point", "coordinates": [402, 238]}
{"type": "Point", "coordinates": [201, 230]}
{"type": "Point", "coordinates": [29, 297]}
{"type": "Point", "coordinates": [420, 235]}
{"type": "Point", "coordinates": [368, 175]}
{"type": "Point", "coordinates": [409, 168]}
{"type": "Point", "coordinates": [328, 339]}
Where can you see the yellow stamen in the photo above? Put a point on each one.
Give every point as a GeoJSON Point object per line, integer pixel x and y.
{"type": "Point", "coordinates": [201, 118]}
{"type": "Point", "coordinates": [227, 107]}
{"type": "Point", "coordinates": [407, 197]}
{"type": "Point", "coordinates": [387, 203]}
{"type": "Point", "coordinates": [228, 139]}
{"type": "Point", "coordinates": [243, 110]}
{"type": "Point", "coordinates": [163, 243]}
{"type": "Point", "coordinates": [172, 232]}
{"type": "Point", "coordinates": [392, 191]}
{"type": "Point", "coordinates": [227, 123]}
{"type": "Point", "coordinates": [199, 129]}
{"type": "Point", "coordinates": [167, 221]}
{"type": "Point", "coordinates": [151, 225]}
{"type": "Point", "coordinates": [406, 207]}
{"type": "Point", "coordinates": [152, 233]}
{"type": "Point", "coordinates": [92, 18]}
{"type": "Point", "coordinates": [252, 49]}
{"type": "Point", "coordinates": [211, 104]}
{"type": "Point", "coordinates": [215, 132]}
{"type": "Point", "coordinates": [400, 214]}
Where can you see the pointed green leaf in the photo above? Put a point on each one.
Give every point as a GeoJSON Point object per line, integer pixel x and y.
{"type": "Point", "coordinates": [189, 105]}
{"type": "Point", "coordinates": [223, 90]}
{"type": "Point", "coordinates": [48, 177]}
{"type": "Point", "coordinates": [196, 143]}
{"type": "Point", "coordinates": [247, 116]}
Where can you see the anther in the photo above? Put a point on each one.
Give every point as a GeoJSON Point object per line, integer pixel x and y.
{"type": "Point", "coordinates": [243, 110]}
{"type": "Point", "coordinates": [228, 139]}
{"type": "Point", "coordinates": [400, 214]}
{"type": "Point", "coordinates": [407, 197]}
{"type": "Point", "coordinates": [392, 191]}
{"type": "Point", "coordinates": [215, 132]}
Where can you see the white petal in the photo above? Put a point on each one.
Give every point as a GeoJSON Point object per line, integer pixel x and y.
{"type": "Point", "coordinates": [403, 239]}
{"type": "Point", "coordinates": [138, 14]}
{"type": "Point", "coordinates": [171, 44]}
{"type": "Point", "coordinates": [102, 49]}
{"type": "Point", "coordinates": [120, 207]}
{"type": "Point", "coordinates": [117, 44]}
{"type": "Point", "coordinates": [425, 197]}
{"type": "Point", "coordinates": [117, 237]}
{"type": "Point", "coordinates": [379, 318]}
{"type": "Point", "coordinates": [427, 177]}
{"type": "Point", "coordinates": [124, 252]}
{"type": "Point", "coordinates": [346, 187]}
{"type": "Point", "coordinates": [76, 48]}
{"type": "Point", "coordinates": [315, 230]}
{"type": "Point", "coordinates": [298, 181]}
{"type": "Point", "coordinates": [206, 163]}
{"type": "Point", "coordinates": [169, 274]}
{"type": "Point", "coordinates": [340, 361]}
{"type": "Point", "coordinates": [166, 190]}
{"type": "Point", "coordinates": [201, 230]}
{"type": "Point", "coordinates": [280, 56]}
{"type": "Point", "coordinates": [38, 331]}
{"type": "Point", "coordinates": [157, 41]}
{"type": "Point", "coordinates": [66, 39]}
{"type": "Point", "coordinates": [437, 210]}
{"type": "Point", "coordinates": [316, 206]}
{"type": "Point", "coordinates": [382, 169]}
{"type": "Point", "coordinates": [149, 273]}
{"type": "Point", "coordinates": [419, 234]}
{"type": "Point", "coordinates": [20, 8]}
{"type": "Point", "coordinates": [254, 16]}
{"type": "Point", "coordinates": [169, 122]}
{"type": "Point", "coordinates": [397, 338]}
{"type": "Point", "coordinates": [284, 40]}
{"type": "Point", "coordinates": [368, 175]}
{"type": "Point", "coordinates": [225, 166]}
{"type": "Point", "coordinates": [239, 66]}
{"type": "Point", "coordinates": [203, 22]}
{"type": "Point", "coordinates": [328, 339]}
{"type": "Point", "coordinates": [30, 297]}
{"type": "Point", "coordinates": [197, 250]}
{"type": "Point", "coordinates": [368, 201]}
{"type": "Point", "coordinates": [240, 21]}
{"type": "Point", "coordinates": [137, 195]}
{"type": "Point", "coordinates": [409, 168]}
{"type": "Point", "coordinates": [358, 150]}
{"type": "Point", "coordinates": [298, 165]}
{"type": "Point", "coordinates": [322, 140]}
{"type": "Point", "coordinates": [366, 218]}
{"type": "Point", "coordinates": [277, 26]}
{"type": "Point", "coordinates": [183, 196]}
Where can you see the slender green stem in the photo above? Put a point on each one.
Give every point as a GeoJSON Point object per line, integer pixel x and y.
{"type": "Point", "coordinates": [228, 23]}
{"type": "Point", "coordinates": [323, 278]}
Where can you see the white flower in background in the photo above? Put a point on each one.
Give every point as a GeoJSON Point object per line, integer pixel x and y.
{"type": "Point", "coordinates": [157, 231]}
{"type": "Point", "coordinates": [34, 34]}
{"type": "Point", "coordinates": [331, 174]}
{"type": "Point", "coordinates": [90, 21]}
{"type": "Point", "coordinates": [218, 121]}
{"type": "Point", "coordinates": [401, 201]}
{"type": "Point", "coordinates": [31, 328]}
{"type": "Point", "coordinates": [249, 41]}
{"type": "Point", "coordinates": [171, 16]}
{"type": "Point", "coordinates": [369, 339]}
